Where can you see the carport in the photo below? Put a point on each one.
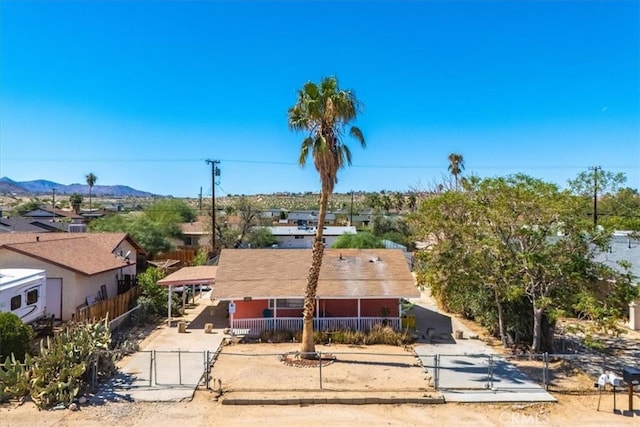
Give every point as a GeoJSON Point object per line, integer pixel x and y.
{"type": "Point", "coordinates": [197, 275]}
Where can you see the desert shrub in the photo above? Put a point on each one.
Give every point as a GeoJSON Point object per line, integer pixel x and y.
{"type": "Point", "coordinates": [14, 378]}
{"type": "Point", "coordinates": [15, 336]}
{"type": "Point", "coordinates": [77, 357]}
{"type": "Point", "coordinates": [379, 334]}
{"type": "Point", "coordinates": [277, 335]}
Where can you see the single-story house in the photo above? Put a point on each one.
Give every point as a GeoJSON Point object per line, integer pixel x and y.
{"type": "Point", "coordinates": [18, 224]}
{"type": "Point", "coordinates": [196, 233]}
{"type": "Point", "coordinates": [624, 247]}
{"type": "Point", "coordinates": [57, 219]}
{"type": "Point", "coordinates": [81, 268]}
{"type": "Point", "coordinates": [357, 288]}
{"type": "Point", "coordinates": [309, 218]}
{"type": "Point", "coordinates": [302, 237]}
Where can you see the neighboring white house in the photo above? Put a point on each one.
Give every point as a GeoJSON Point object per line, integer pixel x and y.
{"type": "Point", "coordinates": [302, 237]}
{"type": "Point", "coordinates": [624, 247]}
{"type": "Point", "coordinates": [81, 268]}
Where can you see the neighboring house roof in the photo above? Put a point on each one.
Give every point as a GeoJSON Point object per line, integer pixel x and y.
{"type": "Point", "coordinates": [49, 212]}
{"type": "Point", "coordinates": [21, 225]}
{"type": "Point", "coordinates": [194, 228]}
{"type": "Point", "coordinates": [196, 275]}
{"type": "Point", "coordinates": [623, 247]}
{"type": "Point", "coordinates": [345, 273]}
{"type": "Point", "coordinates": [309, 215]}
{"type": "Point", "coordinates": [85, 253]}
{"type": "Point", "coordinates": [311, 231]}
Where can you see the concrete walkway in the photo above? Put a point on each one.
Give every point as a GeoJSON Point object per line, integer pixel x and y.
{"type": "Point", "coordinates": [464, 373]}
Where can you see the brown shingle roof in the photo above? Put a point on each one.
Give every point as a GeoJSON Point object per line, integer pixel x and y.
{"type": "Point", "coordinates": [199, 274]}
{"type": "Point", "coordinates": [85, 253]}
{"type": "Point", "coordinates": [345, 273]}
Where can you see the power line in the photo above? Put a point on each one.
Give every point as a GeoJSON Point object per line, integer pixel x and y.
{"type": "Point", "coordinates": [284, 163]}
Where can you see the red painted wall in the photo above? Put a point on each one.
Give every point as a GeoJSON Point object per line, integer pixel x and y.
{"type": "Point", "coordinates": [328, 308]}
{"type": "Point", "coordinates": [250, 309]}
{"type": "Point", "coordinates": [373, 307]}
{"type": "Point", "coordinates": [253, 310]}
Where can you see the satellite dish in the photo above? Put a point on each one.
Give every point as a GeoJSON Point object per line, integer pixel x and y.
{"type": "Point", "coordinates": [127, 254]}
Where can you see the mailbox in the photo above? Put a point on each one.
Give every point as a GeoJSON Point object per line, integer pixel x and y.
{"type": "Point", "coordinates": [631, 376]}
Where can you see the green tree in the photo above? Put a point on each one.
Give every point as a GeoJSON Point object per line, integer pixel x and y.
{"type": "Point", "coordinates": [27, 207]}
{"type": "Point", "coordinates": [170, 211]}
{"type": "Point", "coordinates": [592, 185]}
{"type": "Point", "coordinates": [91, 181]}
{"type": "Point", "coordinates": [361, 240]}
{"type": "Point", "coordinates": [620, 210]}
{"type": "Point", "coordinates": [398, 201]}
{"type": "Point", "coordinates": [324, 112]}
{"type": "Point", "coordinates": [508, 244]}
{"type": "Point", "coordinates": [76, 201]}
{"type": "Point", "coordinates": [154, 237]}
{"type": "Point", "coordinates": [456, 166]}
{"type": "Point", "coordinates": [15, 337]}
{"type": "Point", "coordinates": [261, 237]}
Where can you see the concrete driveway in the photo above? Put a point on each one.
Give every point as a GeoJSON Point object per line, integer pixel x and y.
{"type": "Point", "coordinates": [170, 365]}
{"type": "Point", "coordinates": [469, 370]}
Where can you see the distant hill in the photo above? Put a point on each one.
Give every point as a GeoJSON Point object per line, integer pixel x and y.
{"type": "Point", "coordinates": [41, 186]}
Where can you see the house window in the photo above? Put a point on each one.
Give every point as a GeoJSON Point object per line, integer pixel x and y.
{"type": "Point", "coordinates": [16, 302]}
{"type": "Point", "coordinates": [287, 303]}
{"type": "Point", "coordinates": [299, 237]}
{"type": "Point", "coordinates": [32, 296]}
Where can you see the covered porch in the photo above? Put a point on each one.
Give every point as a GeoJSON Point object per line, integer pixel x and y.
{"type": "Point", "coordinates": [331, 314]}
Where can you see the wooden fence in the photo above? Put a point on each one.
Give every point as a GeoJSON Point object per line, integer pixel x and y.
{"type": "Point", "coordinates": [185, 255]}
{"type": "Point", "coordinates": [112, 307]}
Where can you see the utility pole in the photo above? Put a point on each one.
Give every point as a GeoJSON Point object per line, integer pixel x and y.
{"type": "Point", "coordinates": [215, 171]}
{"type": "Point", "coordinates": [54, 205]}
{"type": "Point", "coordinates": [351, 215]}
{"type": "Point", "coordinates": [595, 195]}
{"type": "Point", "coordinates": [200, 201]}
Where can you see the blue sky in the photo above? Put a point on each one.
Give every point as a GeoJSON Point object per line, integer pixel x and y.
{"type": "Point", "coordinates": [140, 93]}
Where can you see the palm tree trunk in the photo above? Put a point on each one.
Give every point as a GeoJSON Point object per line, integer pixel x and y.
{"type": "Point", "coordinates": [308, 347]}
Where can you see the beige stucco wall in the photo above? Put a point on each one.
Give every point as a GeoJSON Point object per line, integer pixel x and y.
{"type": "Point", "coordinates": [634, 315]}
{"type": "Point", "coordinates": [76, 287]}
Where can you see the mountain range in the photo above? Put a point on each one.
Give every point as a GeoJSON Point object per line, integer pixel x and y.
{"type": "Point", "coordinates": [41, 186]}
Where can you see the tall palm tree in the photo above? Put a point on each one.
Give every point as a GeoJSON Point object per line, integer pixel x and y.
{"type": "Point", "coordinates": [323, 112]}
{"type": "Point", "coordinates": [456, 166]}
{"type": "Point", "coordinates": [91, 180]}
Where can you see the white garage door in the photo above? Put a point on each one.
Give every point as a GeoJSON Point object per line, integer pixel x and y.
{"type": "Point", "coordinates": [54, 297]}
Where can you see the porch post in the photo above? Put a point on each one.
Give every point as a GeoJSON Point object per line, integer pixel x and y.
{"type": "Point", "coordinates": [169, 307]}
{"type": "Point", "coordinates": [359, 325]}
{"type": "Point", "coordinates": [275, 313]}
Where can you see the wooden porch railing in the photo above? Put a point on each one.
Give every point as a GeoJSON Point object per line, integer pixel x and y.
{"type": "Point", "coordinates": [320, 324]}
{"type": "Point", "coordinates": [112, 307]}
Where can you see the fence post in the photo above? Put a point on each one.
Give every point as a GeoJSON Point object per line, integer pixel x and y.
{"type": "Point", "coordinates": [154, 357]}
{"type": "Point", "coordinates": [436, 371]}
{"type": "Point", "coordinates": [490, 383]}
{"type": "Point", "coordinates": [152, 372]}
{"type": "Point", "coordinates": [206, 369]}
{"type": "Point", "coordinates": [320, 360]}
{"type": "Point", "coordinates": [545, 370]}
{"type": "Point", "coordinates": [179, 368]}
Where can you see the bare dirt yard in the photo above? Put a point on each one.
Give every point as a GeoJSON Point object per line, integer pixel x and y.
{"type": "Point", "coordinates": [205, 410]}
{"type": "Point", "coordinates": [258, 368]}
